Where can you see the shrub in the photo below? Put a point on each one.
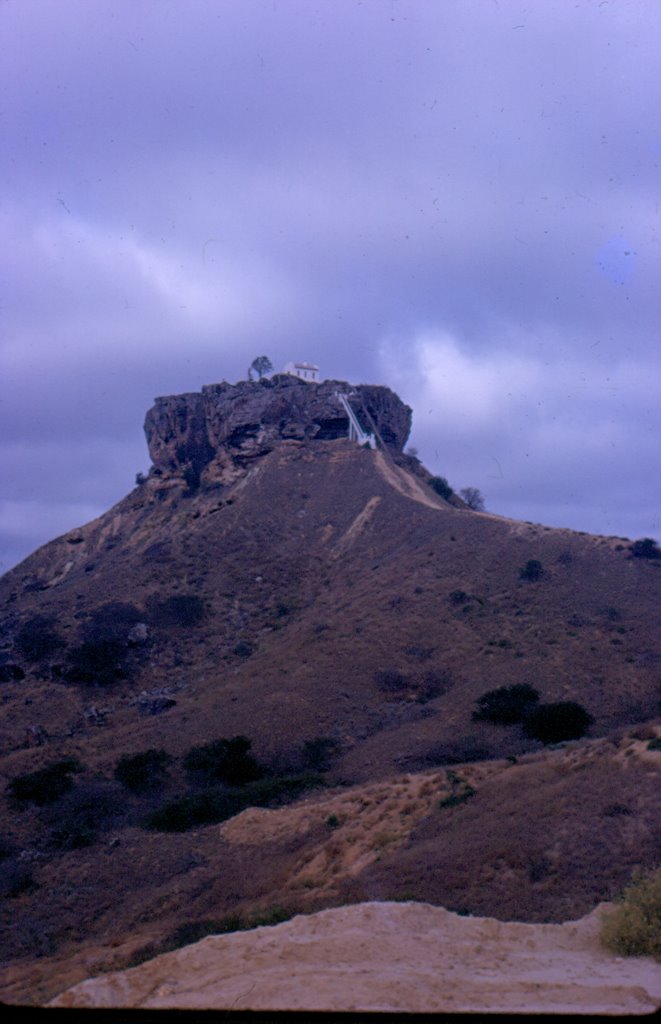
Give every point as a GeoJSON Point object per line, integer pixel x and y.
{"type": "Point", "coordinates": [177, 610]}
{"type": "Point", "coordinates": [655, 743]}
{"type": "Point", "coordinates": [36, 639]}
{"type": "Point", "coordinates": [144, 771]}
{"type": "Point", "coordinates": [11, 673]}
{"type": "Point", "coordinates": [98, 661]}
{"type": "Point", "coordinates": [389, 680]}
{"type": "Point", "coordinates": [319, 753]}
{"type": "Point", "coordinates": [506, 705]}
{"type": "Point", "coordinates": [243, 649]}
{"type": "Point", "coordinates": [280, 789]}
{"type": "Point", "coordinates": [645, 548]}
{"type": "Point", "coordinates": [441, 486]}
{"type": "Point", "coordinates": [532, 570]}
{"type": "Point", "coordinates": [460, 790]}
{"type": "Point", "coordinates": [554, 723]}
{"type": "Point", "coordinates": [112, 621]}
{"type": "Point", "coordinates": [224, 761]}
{"type": "Point", "coordinates": [15, 878]}
{"type": "Point", "coordinates": [213, 805]}
{"type": "Point", "coordinates": [633, 928]}
{"type": "Point", "coordinates": [84, 812]}
{"type": "Point", "coordinates": [207, 807]}
{"type": "Point", "coordinates": [44, 786]}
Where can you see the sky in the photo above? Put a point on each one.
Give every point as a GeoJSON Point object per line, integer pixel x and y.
{"type": "Point", "coordinates": [458, 199]}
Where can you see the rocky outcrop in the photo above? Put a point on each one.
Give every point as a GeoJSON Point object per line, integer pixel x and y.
{"type": "Point", "coordinates": [232, 424]}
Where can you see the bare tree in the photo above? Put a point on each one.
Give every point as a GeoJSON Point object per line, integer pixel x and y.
{"type": "Point", "coordinates": [473, 498]}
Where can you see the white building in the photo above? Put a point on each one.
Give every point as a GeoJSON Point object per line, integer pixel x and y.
{"type": "Point", "coordinates": [306, 371]}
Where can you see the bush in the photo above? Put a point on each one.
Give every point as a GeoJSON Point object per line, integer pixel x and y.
{"type": "Point", "coordinates": [507, 705]}
{"type": "Point", "coordinates": [15, 878]}
{"type": "Point", "coordinates": [37, 640]}
{"type": "Point", "coordinates": [207, 807]}
{"type": "Point", "coordinates": [214, 805]}
{"type": "Point", "coordinates": [224, 761]}
{"type": "Point", "coordinates": [532, 570]}
{"type": "Point", "coordinates": [144, 771]}
{"type": "Point", "coordinates": [177, 610]}
{"type": "Point", "coordinates": [645, 548]}
{"type": "Point", "coordinates": [44, 786]}
{"type": "Point", "coordinates": [99, 661]}
{"type": "Point", "coordinates": [112, 621]}
{"type": "Point", "coordinates": [11, 673]}
{"type": "Point", "coordinates": [319, 753]}
{"type": "Point", "coordinates": [554, 723]}
{"type": "Point", "coordinates": [441, 486]}
{"type": "Point", "coordinates": [389, 680]}
{"type": "Point", "coordinates": [84, 812]}
{"type": "Point", "coordinates": [633, 928]}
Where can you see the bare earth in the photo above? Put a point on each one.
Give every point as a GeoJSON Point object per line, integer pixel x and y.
{"type": "Point", "coordinates": [389, 957]}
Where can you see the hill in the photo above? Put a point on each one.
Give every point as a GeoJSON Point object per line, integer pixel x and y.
{"type": "Point", "coordinates": [272, 580]}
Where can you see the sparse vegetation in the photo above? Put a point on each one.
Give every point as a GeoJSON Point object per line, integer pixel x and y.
{"type": "Point", "coordinates": [506, 705]}
{"type": "Point", "coordinates": [441, 486]}
{"type": "Point", "coordinates": [633, 927]}
{"type": "Point", "coordinates": [44, 786]}
{"type": "Point", "coordinates": [557, 722]}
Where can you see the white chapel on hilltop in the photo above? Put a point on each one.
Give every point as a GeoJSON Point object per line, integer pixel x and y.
{"type": "Point", "coordinates": [306, 371]}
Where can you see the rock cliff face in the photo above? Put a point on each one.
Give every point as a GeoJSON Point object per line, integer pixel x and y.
{"type": "Point", "coordinates": [230, 424]}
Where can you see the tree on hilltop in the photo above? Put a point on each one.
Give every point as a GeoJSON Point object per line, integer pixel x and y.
{"type": "Point", "coordinates": [261, 365]}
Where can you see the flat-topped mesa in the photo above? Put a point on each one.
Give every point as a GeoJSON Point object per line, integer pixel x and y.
{"type": "Point", "coordinates": [231, 424]}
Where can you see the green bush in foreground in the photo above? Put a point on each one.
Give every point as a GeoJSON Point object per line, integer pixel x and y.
{"type": "Point", "coordinates": [633, 928]}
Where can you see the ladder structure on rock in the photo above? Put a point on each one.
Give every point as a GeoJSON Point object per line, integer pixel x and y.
{"type": "Point", "coordinates": [356, 432]}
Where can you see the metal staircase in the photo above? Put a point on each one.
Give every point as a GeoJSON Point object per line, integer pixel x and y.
{"type": "Point", "coordinates": [356, 432]}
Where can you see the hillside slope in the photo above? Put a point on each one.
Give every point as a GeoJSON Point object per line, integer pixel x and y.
{"type": "Point", "coordinates": [277, 582]}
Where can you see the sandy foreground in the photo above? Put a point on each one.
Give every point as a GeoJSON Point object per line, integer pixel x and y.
{"type": "Point", "coordinates": [389, 957]}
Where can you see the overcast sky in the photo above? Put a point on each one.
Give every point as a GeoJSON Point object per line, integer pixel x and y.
{"type": "Point", "coordinates": [456, 198]}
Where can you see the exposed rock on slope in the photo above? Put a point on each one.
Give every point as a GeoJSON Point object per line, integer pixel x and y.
{"type": "Point", "coordinates": [389, 957]}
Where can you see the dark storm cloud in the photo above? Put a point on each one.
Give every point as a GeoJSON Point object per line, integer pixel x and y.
{"type": "Point", "coordinates": [459, 200]}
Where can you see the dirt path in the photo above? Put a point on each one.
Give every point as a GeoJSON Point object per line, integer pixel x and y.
{"type": "Point", "coordinates": [405, 483]}
{"type": "Point", "coordinates": [389, 957]}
